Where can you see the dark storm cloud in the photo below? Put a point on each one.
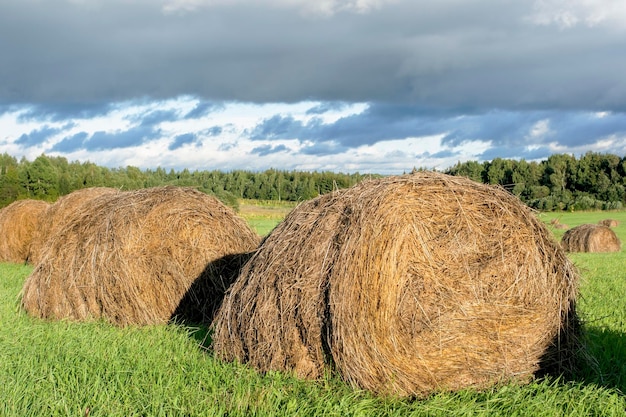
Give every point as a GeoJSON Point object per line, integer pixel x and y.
{"type": "Point", "coordinates": [377, 123]}
{"type": "Point", "coordinates": [584, 129]}
{"type": "Point", "coordinates": [192, 138]}
{"type": "Point", "coordinates": [203, 108]}
{"type": "Point", "coordinates": [278, 127]}
{"type": "Point", "coordinates": [473, 55]}
{"type": "Point", "coordinates": [265, 150]}
{"type": "Point", "coordinates": [505, 130]}
{"type": "Point", "coordinates": [125, 139]}
{"type": "Point", "coordinates": [64, 111]}
{"type": "Point", "coordinates": [37, 137]}
{"type": "Point", "coordinates": [155, 117]}
{"type": "Point", "coordinates": [463, 71]}
{"type": "Point", "coordinates": [70, 143]}
{"type": "Point", "coordinates": [516, 152]}
{"type": "Point", "coordinates": [8, 108]}
{"type": "Point", "coordinates": [325, 107]}
{"type": "Point", "coordinates": [182, 140]}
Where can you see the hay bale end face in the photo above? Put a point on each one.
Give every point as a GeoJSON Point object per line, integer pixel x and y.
{"type": "Point", "coordinates": [140, 257]}
{"type": "Point", "coordinates": [591, 238]}
{"type": "Point", "coordinates": [61, 212]}
{"type": "Point", "coordinates": [19, 222]}
{"type": "Point", "coordinates": [406, 286]}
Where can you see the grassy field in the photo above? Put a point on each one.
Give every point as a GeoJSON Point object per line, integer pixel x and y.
{"type": "Point", "coordinates": [95, 369]}
{"type": "Point", "coordinates": [263, 216]}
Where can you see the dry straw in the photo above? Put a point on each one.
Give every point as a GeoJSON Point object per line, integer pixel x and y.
{"type": "Point", "coordinates": [140, 257]}
{"type": "Point", "coordinates": [18, 224]}
{"type": "Point", "coordinates": [406, 286]}
{"type": "Point", "coordinates": [556, 223]}
{"type": "Point", "coordinates": [609, 222]}
{"type": "Point", "coordinates": [61, 212]}
{"type": "Point", "coordinates": [591, 238]}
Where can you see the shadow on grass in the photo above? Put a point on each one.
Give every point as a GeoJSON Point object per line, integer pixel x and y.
{"type": "Point", "coordinates": [607, 367]}
{"type": "Point", "coordinates": [199, 305]}
{"type": "Point", "coordinates": [586, 354]}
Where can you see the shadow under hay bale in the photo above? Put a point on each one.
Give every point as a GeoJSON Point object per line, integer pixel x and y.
{"type": "Point", "coordinates": [591, 238]}
{"type": "Point", "coordinates": [61, 212]}
{"type": "Point", "coordinates": [204, 297]}
{"type": "Point", "coordinates": [132, 256]}
{"type": "Point", "coordinates": [19, 222]}
{"type": "Point", "coordinates": [609, 223]}
{"type": "Point", "coordinates": [405, 286]}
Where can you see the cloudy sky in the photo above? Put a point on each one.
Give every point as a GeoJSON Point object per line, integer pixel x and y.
{"type": "Point", "coordinates": [345, 85]}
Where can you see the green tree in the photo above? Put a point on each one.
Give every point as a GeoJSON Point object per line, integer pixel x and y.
{"type": "Point", "coordinates": [470, 169]}
{"type": "Point", "coordinates": [41, 179]}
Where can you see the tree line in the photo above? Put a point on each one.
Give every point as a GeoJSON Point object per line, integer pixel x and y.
{"type": "Point", "coordinates": [561, 182]}
{"type": "Point", "coordinates": [594, 181]}
{"type": "Point", "coordinates": [49, 177]}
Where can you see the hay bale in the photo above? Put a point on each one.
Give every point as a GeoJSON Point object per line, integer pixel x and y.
{"type": "Point", "coordinates": [140, 257]}
{"type": "Point", "coordinates": [609, 223]}
{"type": "Point", "coordinates": [561, 226]}
{"type": "Point", "coordinates": [405, 285]}
{"type": "Point", "coordinates": [591, 238]}
{"type": "Point", "coordinates": [18, 224]}
{"type": "Point", "coordinates": [61, 212]}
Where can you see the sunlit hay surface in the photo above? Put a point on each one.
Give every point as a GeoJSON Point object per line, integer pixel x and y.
{"type": "Point", "coordinates": [406, 286]}
{"type": "Point", "coordinates": [609, 222]}
{"type": "Point", "coordinates": [61, 212]}
{"type": "Point", "coordinates": [140, 257]}
{"type": "Point", "coordinates": [591, 238]}
{"type": "Point", "coordinates": [18, 224]}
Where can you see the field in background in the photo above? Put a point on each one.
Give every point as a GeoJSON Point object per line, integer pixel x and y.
{"type": "Point", "coordinates": [577, 218]}
{"type": "Point", "coordinates": [264, 215]}
{"type": "Point", "coordinates": [95, 369]}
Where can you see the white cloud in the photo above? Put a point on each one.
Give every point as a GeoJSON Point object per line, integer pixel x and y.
{"type": "Point", "coordinates": [307, 7]}
{"type": "Point", "coordinates": [570, 13]}
{"type": "Point", "coordinates": [539, 130]}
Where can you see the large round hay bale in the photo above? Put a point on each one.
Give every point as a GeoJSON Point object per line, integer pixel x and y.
{"type": "Point", "coordinates": [19, 222]}
{"type": "Point", "coordinates": [140, 257]}
{"type": "Point", "coordinates": [591, 238]}
{"type": "Point", "coordinates": [405, 285]}
{"type": "Point", "coordinates": [60, 212]}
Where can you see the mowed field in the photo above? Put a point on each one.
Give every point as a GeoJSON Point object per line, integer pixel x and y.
{"type": "Point", "coordinates": [263, 216]}
{"type": "Point", "coordinates": [96, 369]}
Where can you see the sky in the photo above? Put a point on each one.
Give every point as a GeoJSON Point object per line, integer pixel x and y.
{"type": "Point", "coordinates": [370, 86]}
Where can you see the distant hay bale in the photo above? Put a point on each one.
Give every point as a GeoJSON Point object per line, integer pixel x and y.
{"type": "Point", "coordinates": [591, 238]}
{"type": "Point", "coordinates": [406, 286]}
{"type": "Point", "coordinates": [609, 223]}
{"type": "Point", "coordinates": [18, 224]}
{"type": "Point", "coordinates": [62, 211]}
{"type": "Point", "coordinates": [140, 257]}
{"type": "Point", "coordinates": [561, 226]}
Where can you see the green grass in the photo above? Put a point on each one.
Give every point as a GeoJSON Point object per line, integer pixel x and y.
{"type": "Point", "coordinates": [262, 226]}
{"type": "Point", "coordinates": [262, 215]}
{"type": "Point", "coordinates": [95, 369]}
